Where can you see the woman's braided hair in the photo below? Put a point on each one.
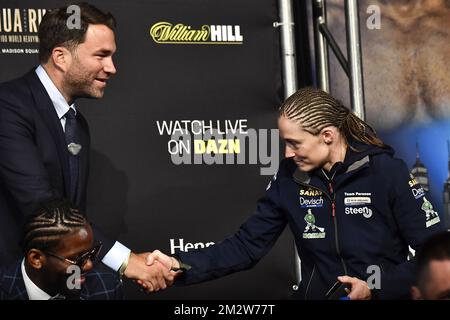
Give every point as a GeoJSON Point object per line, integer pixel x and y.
{"type": "Point", "coordinates": [315, 109]}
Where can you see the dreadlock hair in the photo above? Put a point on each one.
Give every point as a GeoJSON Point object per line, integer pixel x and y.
{"type": "Point", "coordinates": [315, 109]}
{"type": "Point", "coordinates": [53, 220]}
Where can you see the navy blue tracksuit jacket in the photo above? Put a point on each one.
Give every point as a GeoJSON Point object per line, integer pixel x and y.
{"type": "Point", "coordinates": [355, 220]}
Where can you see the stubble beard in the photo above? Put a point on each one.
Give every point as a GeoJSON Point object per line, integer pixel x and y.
{"type": "Point", "coordinates": [79, 84]}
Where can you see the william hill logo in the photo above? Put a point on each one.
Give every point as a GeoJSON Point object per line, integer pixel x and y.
{"type": "Point", "coordinates": [168, 33]}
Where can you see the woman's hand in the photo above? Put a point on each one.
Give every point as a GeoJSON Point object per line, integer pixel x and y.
{"type": "Point", "coordinates": [360, 290]}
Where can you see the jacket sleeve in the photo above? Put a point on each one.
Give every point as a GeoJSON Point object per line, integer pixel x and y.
{"type": "Point", "coordinates": [22, 173]}
{"type": "Point", "coordinates": [242, 250]}
{"type": "Point", "coordinates": [407, 200]}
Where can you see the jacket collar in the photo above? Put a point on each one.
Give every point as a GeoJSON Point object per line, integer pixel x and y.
{"type": "Point", "coordinates": [303, 177]}
{"type": "Point", "coordinates": [12, 284]}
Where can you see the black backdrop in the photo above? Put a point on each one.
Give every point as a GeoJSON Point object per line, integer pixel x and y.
{"type": "Point", "coordinates": [136, 193]}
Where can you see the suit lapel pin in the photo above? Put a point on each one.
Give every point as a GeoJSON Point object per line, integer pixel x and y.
{"type": "Point", "coordinates": [74, 148]}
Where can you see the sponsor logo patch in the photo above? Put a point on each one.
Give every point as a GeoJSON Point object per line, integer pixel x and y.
{"type": "Point", "coordinates": [432, 216]}
{"type": "Point", "coordinates": [357, 201]}
{"type": "Point", "coordinates": [418, 192]}
{"type": "Point", "coordinates": [413, 182]}
{"type": "Point", "coordinates": [310, 192]}
{"type": "Point", "coordinates": [311, 230]}
{"type": "Point", "coordinates": [306, 202]}
{"type": "Point", "coordinates": [364, 211]}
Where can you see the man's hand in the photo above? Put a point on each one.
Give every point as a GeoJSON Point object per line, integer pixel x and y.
{"type": "Point", "coordinates": [360, 289]}
{"type": "Point", "coordinates": [151, 278]}
{"type": "Point", "coordinates": [158, 258]}
{"type": "Point", "coordinates": [167, 261]}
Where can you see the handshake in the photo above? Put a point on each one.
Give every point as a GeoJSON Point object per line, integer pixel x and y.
{"type": "Point", "coordinates": [153, 271]}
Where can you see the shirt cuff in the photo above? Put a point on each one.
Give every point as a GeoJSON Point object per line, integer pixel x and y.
{"type": "Point", "coordinates": [116, 256]}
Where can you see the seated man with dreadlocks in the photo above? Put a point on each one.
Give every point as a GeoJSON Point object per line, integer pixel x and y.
{"type": "Point", "coordinates": [59, 255]}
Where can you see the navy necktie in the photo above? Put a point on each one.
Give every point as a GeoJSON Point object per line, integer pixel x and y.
{"type": "Point", "coordinates": [72, 144]}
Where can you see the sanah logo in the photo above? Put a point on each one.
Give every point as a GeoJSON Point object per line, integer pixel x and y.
{"type": "Point", "coordinates": [413, 182]}
{"type": "Point", "coordinates": [310, 192]}
{"type": "Point", "coordinates": [168, 33]}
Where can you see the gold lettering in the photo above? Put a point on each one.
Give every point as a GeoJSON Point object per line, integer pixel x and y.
{"type": "Point", "coordinates": [223, 146]}
{"type": "Point", "coordinates": [199, 146]}
{"type": "Point", "coordinates": [165, 32]}
{"type": "Point", "coordinates": [204, 33]}
{"type": "Point", "coordinates": [211, 147]}
{"type": "Point", "coordinates": [310, 192]}
{"type": "Point", "coordinates": [412, 182]}
{"type": "Point", "coordinates": [178, 34]}
{"type": "Point", "coordinates": [7, 22]}
{"type": "Point", "coordinates": [41, 14]}
{"type": "Point", "coordinates": [29, 39]}
{"type": "Point", "coordinates": [32, 25]}
{"type": "Point", "coordinates": [15, 38]}
{"type": "Point", "coordinates": [17, 21]}
{"type": "Point", "coordinates": [234, 146]}
{"type": "Point", "coordinates": [173, 33]}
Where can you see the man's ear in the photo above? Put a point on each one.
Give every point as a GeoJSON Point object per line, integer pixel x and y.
{"type": "Point", "coordinates": [36, 258]}
{"type": "Point", "coordinates": [328, 135]}
{"type": "Point", "coordinates": [61, 58]}
{"type": "Point", "coordinates": [415, 293]}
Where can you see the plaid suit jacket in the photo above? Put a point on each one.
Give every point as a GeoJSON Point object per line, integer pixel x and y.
{"type": "Point", "coordinates": [99, 285]}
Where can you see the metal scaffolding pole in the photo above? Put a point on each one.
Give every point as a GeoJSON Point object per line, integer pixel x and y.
{"type": "Point", "coordinates": [354, 57]}
{"type": "Point", "coordinates": [353, 67]}
{"type": "Point", "coordinates": [321, 48]}
{"type": "Point", "coordinates": [289, 77]}
{"type": "Point", "coordinates": [287, 46]}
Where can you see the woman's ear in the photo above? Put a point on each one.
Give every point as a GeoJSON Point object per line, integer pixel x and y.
{"type": "Point", "coordinates": [328, 135]}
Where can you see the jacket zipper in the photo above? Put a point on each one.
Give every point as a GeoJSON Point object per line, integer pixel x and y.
{"type": "Point", "coordinates": [333, 217]}
{"type": "Point", "coordinates": [309, 282]}
{"type": "Point", "coordinates": [331, 196]}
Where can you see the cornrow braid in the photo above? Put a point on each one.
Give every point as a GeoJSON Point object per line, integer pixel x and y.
{"type": "Point", "coordinates": [315, 109]}
{"type": "Point", "coordinates": [52, 221]}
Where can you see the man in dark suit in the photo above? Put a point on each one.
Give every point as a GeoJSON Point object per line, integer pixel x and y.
{"type": "Point", "coordinates": [44, 139]}
{"type": "Point", "coordinates": [59, 253]}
